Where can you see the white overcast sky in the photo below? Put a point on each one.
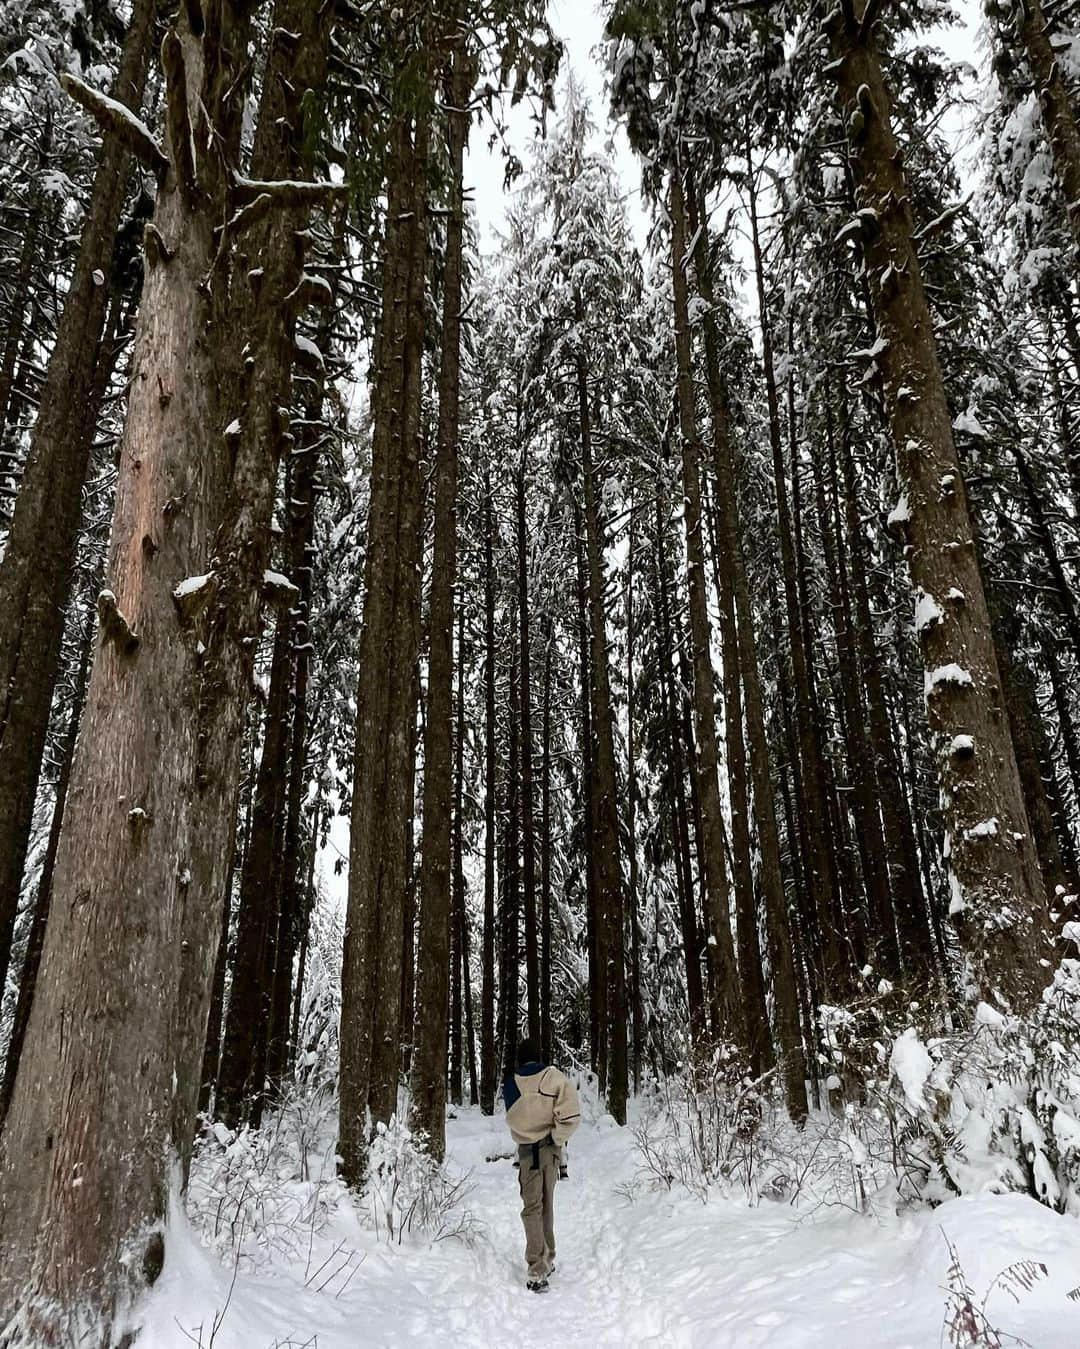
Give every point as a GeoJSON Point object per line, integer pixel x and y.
{"type": "Point", "coordinates": [580, 26]}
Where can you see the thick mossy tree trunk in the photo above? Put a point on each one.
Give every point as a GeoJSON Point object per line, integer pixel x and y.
{"type": "Point", "coordinates": [85, 1153]}
{"type": "Point", "coordinates": [35, 575]}
{"type": "Point", "coordinates": [997, 898]}
{"type": "Point", "coordinates": [606, 842]}
{"type": "Point", "coordinates": [98, 1119]}
{"type": "Point", "coordinates": [428, 1078]}
{"type": "Point", "coordinates": [721, 948]}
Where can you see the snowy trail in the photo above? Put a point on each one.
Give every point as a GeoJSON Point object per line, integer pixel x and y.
{"type": "Point", "coordinates": [659, 1270]}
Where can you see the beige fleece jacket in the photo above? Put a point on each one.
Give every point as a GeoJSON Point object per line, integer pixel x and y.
{"type": "Point", "coordinates": [548, 1104]}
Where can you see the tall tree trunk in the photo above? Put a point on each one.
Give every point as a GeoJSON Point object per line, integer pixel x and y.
{"type": "Point", "coordinates": [488, 1059]}
{"type": "Point", "coordinates": [215, 1016]}
{"type": "Point", "coordinates": [593, 926]}
{"type": "Point", "coordinates": [255, 393]}
{"type": "Point", "coordinates": [751, 975]}
{"type": "Point", "coordinates": [96, 1117]}
{"type": "Point", "coordinates": [389, 650]}
{"type": "Point", "coordinates": [428, 1079]}
{"type": "Point", "coordinates": [883, 944]}
{"type": "Point", "coordinates": [744, 657]}
{"type": "Point", "coordinates": [409, 906]}
{"type": "Point", "coordinates": [300, 530]}
{"type": "Point", "coordinates": [636, 1011]}
{"type": "Point", "coordinates": [606, 844]}
{"type": "Point", "coordinates": [248, 1011]}
{"type": "Point", "coordinates": [510, 982]}
{"type": "Point", "coordinates": [910, 905]}
{"type": "Point", "coordinates": [721, 948]}
{"type": "Point", "coordinates": [692, 950]}
{"type": "Point", "coordinates": [546, 1032]}
{"type": "Point", "coordinates": [833, 964]}
{"type": "Point", "coordinates": [35, 574]}
{"type": "Point", "coordinates": [36, 938]}
{"type": "Point", "coordinates": [462, 990]}
{"type": "Point", "coordinates": [305, 928]}
{"type": "Point", "coordinates": [998, 903]}
{"type": "Point", "coordinates": [458, 918]}
{"type": "Point", "coordinates": [528, 832]}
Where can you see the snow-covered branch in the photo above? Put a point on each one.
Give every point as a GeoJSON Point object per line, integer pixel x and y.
{"type": "Point", "coordinates": [285, 192]}
{"type": "Point", "coordinates": [117, 120]}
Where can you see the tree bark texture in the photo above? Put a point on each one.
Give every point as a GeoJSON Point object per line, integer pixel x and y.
{"type": "Point", "coordinates": [389, 652]}
{"type": "Point", "coordinates": [85, 1153]}
{"type": "Point", "coordinates": [997, 899]}
{"type": "Point", "coordinates": [35, 575]}
{"type": "Point", "coordinates": [721, 949]}
{"type": "Point", "coordinates": [606, 842]}
{"type": "Point", "coordinates": [488, 1053]}
{"type": "Point", "coordinates": [428, 1079]}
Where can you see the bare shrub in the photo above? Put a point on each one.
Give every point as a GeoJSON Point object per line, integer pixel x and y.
{"type": "Point", "coordinates": [410, 1193]}
{"type": "Point", "coordinates": [256, 1195]}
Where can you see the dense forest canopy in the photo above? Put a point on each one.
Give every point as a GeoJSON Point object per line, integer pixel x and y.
{"type": "Point", "coordinates": [642, 622]}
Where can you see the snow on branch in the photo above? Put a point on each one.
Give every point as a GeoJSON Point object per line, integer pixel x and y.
{"type": "Point", "coordinates": [114, 626]}
{"type": "Point", "coordinates": [193, 594]}
{"type": "Point", "coordinates": [311, 290]}
{"type": "Point", "coordinates": [249, 214]}
{"type": "Point", "coordinates": [117, 120]}
{"type": "Point", "coordinates": [939, 222]}
{"type": "Point", "coordinates": [309, 355]}
{"type": "Point", "coordinates": [279, 590]}
{"type": "Point", "coordinates": [951, 674]}
{"type": "Point", "coordinates": [284, 192]}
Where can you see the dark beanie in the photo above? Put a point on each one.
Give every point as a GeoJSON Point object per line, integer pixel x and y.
{"type": "Point", "coordinates": [528, 1051]}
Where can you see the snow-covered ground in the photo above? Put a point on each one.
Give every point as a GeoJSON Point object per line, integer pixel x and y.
{"type": "Point", "coordinates": [636, 1267]}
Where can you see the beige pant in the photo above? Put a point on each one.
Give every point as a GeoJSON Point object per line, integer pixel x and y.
{"type": "Point", "coordinates": [537, 1187]}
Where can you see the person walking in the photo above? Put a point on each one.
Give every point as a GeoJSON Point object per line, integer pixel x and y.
{"type": "Point", "coordinates": [542, 1110]}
